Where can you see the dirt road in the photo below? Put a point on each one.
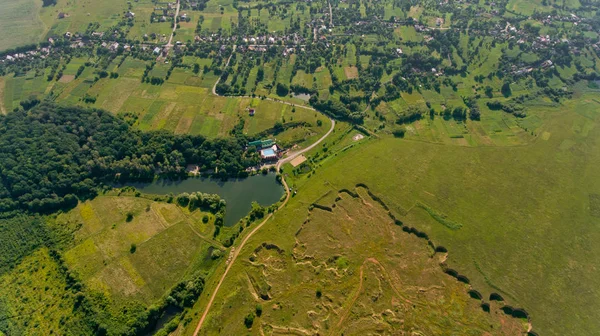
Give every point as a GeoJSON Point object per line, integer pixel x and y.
{"type": "Point", "coordinates": [170, 44]}
{"type": "Point", "coordinates": [330, 15]}
{"type": "Point", "coordinates": [236, 252]}
{"type": "Point", "coordinates": [302, 151]}
{"type": "Point", "coordinates": [214, 89]}
{"type": "Point", "coordinates": [238, 248]}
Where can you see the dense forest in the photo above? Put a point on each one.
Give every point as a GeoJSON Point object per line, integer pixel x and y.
{"type": "Point", "coordinates": [50, 155]}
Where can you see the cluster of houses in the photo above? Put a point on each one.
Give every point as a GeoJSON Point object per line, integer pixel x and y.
{"type": "Point", "coordinates": [268, 149]}
{"type": "Point", "coordinates": [523, 71]}
{"type": "Point", "coordinates": [40, 52]}
{"type": "Point", "coordinates": [273, 39]}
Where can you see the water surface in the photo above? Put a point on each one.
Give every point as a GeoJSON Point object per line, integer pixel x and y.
{"type": "Point", "coordinates": [238, 193]}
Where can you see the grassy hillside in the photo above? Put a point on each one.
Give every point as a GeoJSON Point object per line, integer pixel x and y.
{"type": "Point", "coordinates": [104, 257]}
{"type": "Point", "coordinates": [527, 215]}
{"type": "Point", "coordinates": [528, 212]}
{"type": "Point", "coordinates": [349, 268]}
{"type": "Point", "coordinates": [34, 297]}
{"type": "Point", "coordinates": [117, 263]}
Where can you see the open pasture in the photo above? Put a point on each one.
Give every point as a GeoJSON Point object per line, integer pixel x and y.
{"type": "Point", "coordinates": [134, 248]}
{"type": "Point", "coordinates": [344, 265]}
{"type": "Point", "coordinates": [79, 14]}
{"type": "Point", "coordinates": [526, 212]}
{"type": "Point", "coordinates": [20, 23]}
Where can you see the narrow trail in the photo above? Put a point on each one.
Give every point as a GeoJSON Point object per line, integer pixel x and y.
{"type": "Point", "coordinates": [359, 289]}
{"type": "Point", "coordinates": [214, 89]}
{"type": "Point", "coordinates": [237, 249]}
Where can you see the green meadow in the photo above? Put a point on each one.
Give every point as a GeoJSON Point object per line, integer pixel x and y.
{"type": "Point", "coordinates": [20, 23]}
{"type": "Point", "coordinates": [517, 220]}
{"type": "Point", "coordinates": [101, 253]}
{"type": "Point", "coordinates": [343, 266]}
{"type": "Point", "coordinates": [79, 14]}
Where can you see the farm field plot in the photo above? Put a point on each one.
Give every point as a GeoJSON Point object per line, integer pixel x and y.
{"type": "Point", "coordinates": [213, 22]}
{"type": "Point", "coordinates": [527, 7]}
{"type": "Point", "coordinates": [20, 88]}
{"type": "Point", "coordinates": [267, 113]}
{"type": "Point", "coordinates": [143, 25]}
{"type": "Point", "coordinates": [175, 106]}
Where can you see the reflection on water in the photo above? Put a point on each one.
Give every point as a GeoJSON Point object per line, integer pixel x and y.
{"type": "Point", "coordinates": [238, 193]}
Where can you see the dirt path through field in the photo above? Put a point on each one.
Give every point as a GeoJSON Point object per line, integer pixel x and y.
{"type": "Point", "coordinates": [170, 44]}
{"type": "Point", "coordinates": [236, 251]}
{"type": "Point", "coordinates": [214, 89]}
{"type": "Point", "coordinates": [353, 300]}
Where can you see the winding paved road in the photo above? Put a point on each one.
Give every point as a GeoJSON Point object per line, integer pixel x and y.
{"type": "Point", "coordinates": [294, 155]}
{"type": "Point", "coordinates": [236, 250]}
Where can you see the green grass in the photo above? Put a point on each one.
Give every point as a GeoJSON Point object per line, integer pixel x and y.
{"type": "Point", "coordinates": [168, 247]}
{"type": "Point", "coordinates": [356, 262]}
{"type": "Point", "coordinates": [34, 298]}
{"type": "Point", "coordinates": [527, 7]}
{"type": "Point", "coordinates": [142, 24]}
{"type": "Point", "coordinates": [408, 34]}
{"type": "Point", "coordinates": [20, 23]}
{"type": "Point", "coordinates": [527, 213]}
{"type": "Point", "coordinates": [184, 104]}
{"type": "Point", "coordinates": [457, 181]}
{"type": "Point", "coordinates": [80, 14]}
{"type": "Point", "coordinates": [439, 217]}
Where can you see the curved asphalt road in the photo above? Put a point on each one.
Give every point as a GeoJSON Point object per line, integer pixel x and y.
{"type": "Point", "coordinates": [236, 252]}
{"type": "Point", "coordinates": [237, 249]}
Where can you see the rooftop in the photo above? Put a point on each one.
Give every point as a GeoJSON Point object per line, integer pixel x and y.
{"type": "Point", "coordinates": [262, 143]}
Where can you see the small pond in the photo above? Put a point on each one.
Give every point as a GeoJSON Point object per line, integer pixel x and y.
{"type": "Point", "coordinates": [238, 193]}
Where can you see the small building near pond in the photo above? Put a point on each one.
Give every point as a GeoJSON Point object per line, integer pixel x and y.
{"type": "Point", "coordinates": [270, 153]}
{"type": "Point", "coordinates": [260, 144]}
{"type": "Point", "coordinates": [268, 149]}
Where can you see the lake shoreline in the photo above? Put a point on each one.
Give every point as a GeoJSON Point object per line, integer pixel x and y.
{"type": "Point", "coordinates": [238, 193]}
